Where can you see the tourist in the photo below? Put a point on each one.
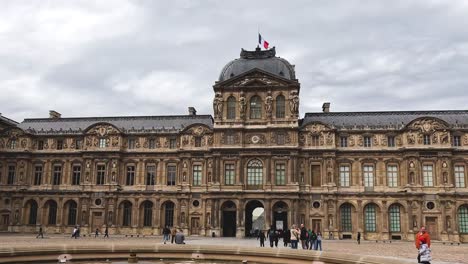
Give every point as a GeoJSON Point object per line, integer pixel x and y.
{"type": "Point", "coordinates": [173, 234]}
{"type": "Point", "coordinates": [286, 237]}
{"type": "Point", "coordinates": [303, 236]}
{"type": "Point", "coordinates": [312, 240]}
{"type": "Point", "coordinates": [359, 238]}
{"type": "Point", "coordinates": [261, 236]}
{"type": "Point", "coordinates": [74, 232]}
{"type": "Point", "coordinates": [318, 242]}
{"type": "Point", "coordinates": [96, 233]}
{"type": "Point", "coordinates": [166, 234]}
{"type": "Point", "coordinates": [78, 231]}
{"type": "Point", "coordinates": [424, 255]}
{"type": "Point", "coordinates": [106, 233]}
{"type": "Point", "coordinates": [41, 234]}
{"type": "Point", "coordinates": [271, 235]}
{"type": "Point", "coordinates": [295, 233]}
{"type": "Point", "coordinates": [277, 236]}
{"type": "Point", "coordinates": [422, 234]}
{"type": "Point", "coordinates": [179, 237]}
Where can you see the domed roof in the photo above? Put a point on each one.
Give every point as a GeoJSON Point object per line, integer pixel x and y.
{"type": "Point", "coordinates": [262, 59]}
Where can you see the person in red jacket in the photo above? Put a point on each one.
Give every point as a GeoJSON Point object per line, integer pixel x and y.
{"type": "Point", "coordinates": [422, 234]}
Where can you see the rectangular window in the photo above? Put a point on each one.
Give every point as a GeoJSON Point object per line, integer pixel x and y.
{"type": "Point", "coordinates": [391, 141]}
{"type": "Point", "coordinates": [59, 144]}
{"type": "Point", "coordinates": [459, 176]}
{"type": "Point", "coordinates": [229, 174]}
{"type": "Point", "coordinates": [171, 175]}
{"type": "Point", "coordinates": [78, 144]}
{"type": "Point", "coordinates": [346, 222]}
{"type": "Point", "coordinates": [76, 177]}
{"type": "Point", "coordinates": [40, 145]}
{"type": "Point", "coordinates": [370, 218]}
{"type": "Point", "coordinates": [344, 175]}
{"type": "Point", "coordinates": [198, 142]}
{"type": "Point", "coordinates": [152, 143]}
{"type": "Point", "coordinates": [230, 139]}
{"type": "Point", "coordinates": [428, 178]}
{"type": "Point", "coordinates": [316, 176]}
{"type": "Point", "coordinates": [427, 139]}
{"type": "Point", "coordinates": [12, 144]}
{"type": "Point", "coordinates": [101, 174]}
{"type": "Point", "coordinates": [11, 174]}
{"type": "Point", "coordinates": [197, 175]}
{"type": "Point", "coordinates": [392, 175]}
{"type": "Point", "coordinates": [130, 175]}
{"type": "Point", "coordinates": [102, 143]}
{"type": "Point", "coordinates": [368, 171]}
{"type": "Point", "coordinates": [131, 143]}
{"type": "Point", "coordinates": [37, 175]}
{"type": "Point", "coordinates": [57, 179]}
{"type": "Point", "coordinates": [394, 215]}
{"type": "Point", "coordinates": [315, 141]}
{"type": "Point", "coordinates": [172, 143]}
{"type": "Point", "coordinates": [280, 174]}
{"type": "Point", "coordinates": [343, 142]}
{"type": "Point", "coordinates": [150, 174]}
{"type": "Point", "coordinates": [456, 141]}
{"type": "Point", "coordinates": [367, 142]}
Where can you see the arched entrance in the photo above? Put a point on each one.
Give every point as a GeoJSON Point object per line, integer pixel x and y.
{"type": "Point", "coordinates": [228, 221]}
{"type": "Point", "coordinates": [280, 215]}
{"type": "Point", "coordinates": [254, 218]}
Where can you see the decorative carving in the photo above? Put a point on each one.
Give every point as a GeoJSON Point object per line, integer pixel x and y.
{"type": "Point", "coordinates": [294, 103]}
{"type": "Point", "coordinates": [411, 138]}
{"type": "Point", "coordinates": [360, 141]}
{"type": "Point", "coordinates": [444, 137]}
{"type": "Point", "coordinates": [255, 139]}
{"type": "Point", "coordinates": [465, 140]}
{"type": "Point", "coordinates": [435, 138]}
{"type": "Point", "coordinates": [427, 125]}
{"type": "Point", "coordinates": [103, 130]}
{"type": "Point", "coordinates": [24, 143]}
{"type": "Point", "coordinates": [398, 140]}
{"type": "Point", "coordinates": [375, 140]}
{"type": "Point", "coordinates": [242, 106]}
{"type": "Point", "coordinates": [115, 141]}
{"type": "Point", "coordinates": [351, 141]}
{"type": "Point", "coordinates": [218, 105]}
{"type": "Point", "coordinates": [268, 105]}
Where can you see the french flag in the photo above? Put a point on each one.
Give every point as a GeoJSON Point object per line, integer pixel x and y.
{"type": "Point", "coordinates": [262, 41]}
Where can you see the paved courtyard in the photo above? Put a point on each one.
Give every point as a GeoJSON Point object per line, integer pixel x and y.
{"type": "Point", "coordinates": [442, 254]}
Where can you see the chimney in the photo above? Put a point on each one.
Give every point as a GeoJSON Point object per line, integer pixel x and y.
{"type": "Point", "coordinates": [54, 114]}
{"type": "Point", "coordinates": [326, 107]}
{"type": "Point", "coordinates": [192, 111]}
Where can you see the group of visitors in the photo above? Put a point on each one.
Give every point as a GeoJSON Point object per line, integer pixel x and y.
{"type": "Point", "coordinates": [174, 235]}
{"type": "Point", "coordinates": [308, 238]}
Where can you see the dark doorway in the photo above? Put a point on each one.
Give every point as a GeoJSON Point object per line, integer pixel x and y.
{"type": "Point", "coordinates": [280, 216]}
{"type": "Point", "coordinates": [250, 219]}
{"type": "Point", "coordinates": [229, 219]}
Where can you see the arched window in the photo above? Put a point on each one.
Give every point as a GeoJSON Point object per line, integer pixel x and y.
{"type": "Point", "coordinates": [148, 213]}
{"type": "Point", "coordinates": [346, 221]}
{"type": "Point", "coordinates": [32, 213]}
{"type": "Point", "coordinates": [254, 173]}
{"type": "Point", "coordinates": [169, 214]}
{"type": "Point", "coordinates": [127, 214]}
{"type": "Point", "coordinates": [255, 107]}
{"type": "Point", "coordinates": [280, 107]}
{"type": "Point", "coordinates": [463, 219]}
{"type": "Point", "coordinates": [71, 212]}
{"type": "Point", "coordinates": [52, 212]}
{"type": "Point", "coordinates": [394, 218]}
{"type": "Point", "coordinates": [231, 108]}
{"type": "Point", "coordinates": [369, 218]}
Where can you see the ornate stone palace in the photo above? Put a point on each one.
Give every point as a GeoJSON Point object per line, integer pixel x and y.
{"type": "Point", "coordinates": [384, 174]}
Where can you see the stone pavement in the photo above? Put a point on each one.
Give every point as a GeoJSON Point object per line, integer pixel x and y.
{"type": "Point", "coordinates": [442, 254]}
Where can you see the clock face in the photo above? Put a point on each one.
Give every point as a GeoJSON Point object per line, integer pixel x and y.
{"type": "Point", "coordinates": [255, 139]}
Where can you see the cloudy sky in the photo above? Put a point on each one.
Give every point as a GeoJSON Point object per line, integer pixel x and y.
{"type": "Point", "coordinates": [110, 58]}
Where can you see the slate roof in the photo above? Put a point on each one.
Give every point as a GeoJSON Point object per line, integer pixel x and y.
{"type": "Point", "coordinates": [8, 121]}
{"type": "Point", "coordinates": [384, 120]}
{"type": "Point", "coordinates": [258, 59]}
{"type": "Point", "coordinates": [126, 124]}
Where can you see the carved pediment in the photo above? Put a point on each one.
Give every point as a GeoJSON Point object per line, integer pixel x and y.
{"type": "Point", "coordinates": [256, 78]}
{"type": "Point", "coordinates": [316, 128]}
{"type": "Point", "coordinates": [427, 125]}
{"type": "Point", "coordinates": [103, 130]}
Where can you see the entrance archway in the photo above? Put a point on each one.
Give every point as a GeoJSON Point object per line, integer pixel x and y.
{"type": "Point", "coordinates": [280, 215]}
{"type": "Point", "coordinates": [228, 221]}
{"type": "Point", "coordinates": [254, 218]}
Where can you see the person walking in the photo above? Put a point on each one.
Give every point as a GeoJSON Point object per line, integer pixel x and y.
{"type": "Point", "coordinates": [318, 242]}
{"type": "Point", "coordinates": [179, 237]}
{"type": "Point", "coordinates": [74, 232]}
{"type": "Point", "coordinates": [286, 237]}
{"type": "Point", "coordinates": [261, 236]}
{"type": "Point", "coordinates": [295, 234]}
{"type": "Point", "coordinates": [303, 236]}
{"type": "Point", "coordinates": [96, 233]}
{"type": "Point", "coordinates": [166, 234]}
{"type": "Point", "coordinates": [422, 235]}
{"type": "Point", "coordinates": [313, 241]}
{"type": "Point", "coordinates": [78, 231]}
{"type": "Point", "coordinates": [359, 238]}
{"type": "Point", "coordinates": [271, 235]}
{"type": "Point", "coordinates": [41, 234]}
{"type": "Point", "coordinates": [424, 255]}
{"type": "Point", "coordinates": [173, 234]}
{"type": "Point", "coordinates": [106, 233]}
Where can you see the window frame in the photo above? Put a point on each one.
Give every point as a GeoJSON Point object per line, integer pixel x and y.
{"type": "Point", "coordinates": [280, 106]}
{"type": "Point", "coordinates": [76, 174]}
{"type": "Point", "coordinates": [280, 173]}
{"type": "Point", "coordinates": [459, 175]}
{"type": "Point", "coordinates": [428, 180]}
{"type": "Point", "coordinates": [370, 218]}
{"type": "Point", "coordinates": [130, 172]}
{"type": "Point", "coordinates": [57, 170]}
{"type": "Point", "coordinates": [392, 175]}
{"type": "Point", "coordinates": [231, 107]}
{"type": "Point", "coordinates": [197, 176]}
{"type": "Point", "coordinates": [255, 105]}
{"type": "Point", "coordinates": [229, 173]}
{"type": "Point", "coordinates": [171, 175]}
{"type": "Point", "coordinates": [368, 175]}
{"type": "Point", "coordinates": [345, 175]}
{"type": "Point", "coordinates": [101, 174]}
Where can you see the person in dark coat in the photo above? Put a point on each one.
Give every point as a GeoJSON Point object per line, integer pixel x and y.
{"type": "Point", "coordinates": [106, 232]}
{"type": "Point", "coordinates": [261, 236]}
{"type": "Point", "coordinates": [272, 236]}
{"type": "Point", "coordinates": [41, 233]}
{"type": "Point", "coordinates": [359, 238]}
{"type": "Point", "coordinates": [286, 237]}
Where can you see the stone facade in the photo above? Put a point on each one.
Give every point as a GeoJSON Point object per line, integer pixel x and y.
{"type": "Point", "coordinates": [381, 173]}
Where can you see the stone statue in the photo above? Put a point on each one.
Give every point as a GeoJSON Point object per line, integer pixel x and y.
{"type": "Point", "coordinates": [242, 105]}
{"type": "Point", "coordinates": [268, 105]}
{"type": "Point", "coordinates": [218, 105]}
{"type": "Point", "coordinates": [294, 103]}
